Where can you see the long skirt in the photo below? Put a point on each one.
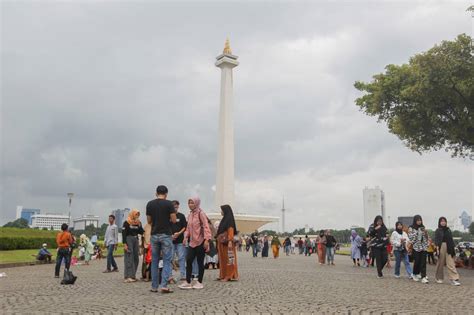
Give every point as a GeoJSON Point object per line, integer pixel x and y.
{"type": "Point", "coordinates": [322, 253]}
{"type": "Point", "coordinates": [227, 270]}
{"type": "Point", "coordinates": [276, 251]}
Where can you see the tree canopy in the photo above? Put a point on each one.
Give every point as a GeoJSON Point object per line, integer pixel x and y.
{"type": "Point", "coordinates": [18, 223]}
{"type": "Point", "coordinates": [429, 102]}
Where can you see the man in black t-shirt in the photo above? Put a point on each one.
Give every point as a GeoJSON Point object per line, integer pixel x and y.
{"type": "Point", "coordinates": [178, 229]}
{"type": "Point", "coordinates": [160, 215]}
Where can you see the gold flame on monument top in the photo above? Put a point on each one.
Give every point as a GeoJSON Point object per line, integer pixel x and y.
{"type": "Point", "coordinates": [227, 49]}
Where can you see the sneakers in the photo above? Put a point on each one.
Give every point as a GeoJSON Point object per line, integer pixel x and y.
{"type": "Point", "coordinates": [198, 285]}
{"type": "Point", "coordinates": [439, 281]}
{"type": "Point", "coordinates": [185, 286]}
{"type": "Point", "coordinates": [416, 278]}
{"type": "Point", "coordinates": [397, 276]}
{"type": "Point", "coordinates": [424, 280]}
{"type": "Point", "coordinates": [455, 282]}
{"type": "Point", "coordinates": [379, 277]}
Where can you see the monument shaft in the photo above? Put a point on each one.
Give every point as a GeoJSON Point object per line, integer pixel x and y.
{"type": "Point", "coordinates": [225, 156]}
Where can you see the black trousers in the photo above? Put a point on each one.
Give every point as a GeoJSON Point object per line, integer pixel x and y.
{"type": "Point", "coordinates": [431, 258]}
{"type": "Point", "coordinates": [419, 265]}
{"type": "Point", "coordinates": [380, 255]}
{"type": "Point", "coordinates": [198, 253]}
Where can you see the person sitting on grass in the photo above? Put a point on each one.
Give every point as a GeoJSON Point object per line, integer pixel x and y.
{"type": "Point", "coordinates": [44, 254]}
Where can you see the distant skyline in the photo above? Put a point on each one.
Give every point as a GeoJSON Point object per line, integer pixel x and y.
{"type": "Point", "coordinates": [110, 99]}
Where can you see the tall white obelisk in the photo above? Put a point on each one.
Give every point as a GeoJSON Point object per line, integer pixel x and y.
{"type": "Point", "coordinates": [225, 156]}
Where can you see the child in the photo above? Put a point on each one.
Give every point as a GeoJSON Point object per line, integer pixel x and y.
{"type": "Point", "coordinates": [146, 268]}
{"type": "Point", "coordinates": [211, 256]}
{"type": "Point", "coordinates": [363, 252]}
{"type": "Point", "coordinates": [430, 252]}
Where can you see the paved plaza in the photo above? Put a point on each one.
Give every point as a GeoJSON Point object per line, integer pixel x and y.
{"type": "Point", "coordinates": [288, 285]}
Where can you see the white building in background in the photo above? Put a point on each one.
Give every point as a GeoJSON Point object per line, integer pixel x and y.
{"type": "Point", "coordinates": [49, 220]}
{"type": "Point", "coordinates": [374, 204]}
{"type": "Point", "coordinates": [85, 220]}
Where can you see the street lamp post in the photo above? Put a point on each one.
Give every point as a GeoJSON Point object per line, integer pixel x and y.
{"type": "Point", "coordinates": [70, 195]}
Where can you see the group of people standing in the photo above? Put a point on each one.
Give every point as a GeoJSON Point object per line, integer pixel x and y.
{"type": "Point", "coordinates": [406, 241]}
{"type": "Point", "coordinates": [168, 233]}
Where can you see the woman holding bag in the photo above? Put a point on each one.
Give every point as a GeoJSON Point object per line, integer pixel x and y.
{"type": "Point", "coordinates": [197, 235]}
{"type": "Point", "coordinates": [226, 247]}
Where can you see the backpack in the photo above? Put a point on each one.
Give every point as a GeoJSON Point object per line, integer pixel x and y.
{"type": "Point", "coordinates": [68, 278]}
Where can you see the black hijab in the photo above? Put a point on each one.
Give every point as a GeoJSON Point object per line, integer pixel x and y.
{"type": "Point", "coordinates": [227, 221]}
{"type": "Point", "coordinates": [399, 231]}
{"type": "Point", "coordinates": [380, 233]}
{"type": "Point", "coordinates": [443, 234]}
{"type": "Point", "coordinates": [416, 218]}
{"type": "Point", "coordinates": [321, 233]}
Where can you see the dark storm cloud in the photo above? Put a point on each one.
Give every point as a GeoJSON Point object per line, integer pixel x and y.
{"type": "Point", "coordinates": [108, 99]}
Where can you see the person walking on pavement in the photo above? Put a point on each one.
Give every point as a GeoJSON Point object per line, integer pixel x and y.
{"type": "Point", "coordinates": [111, 241]}
{"type": "Point", "coordinates": [446, 253]}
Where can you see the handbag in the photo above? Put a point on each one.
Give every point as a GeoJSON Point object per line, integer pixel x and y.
{"type": "Point", "coordinates": [223, 238]}
{"type": "Point", "coordinates": [68, 277]}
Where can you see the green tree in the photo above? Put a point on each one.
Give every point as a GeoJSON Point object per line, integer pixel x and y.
{"type": "Point", "coordinates": [18, 223]}
{"type": "Point", "coordinates": [471, 228]}
{"type": "Point", "coordinates": [429, 102]}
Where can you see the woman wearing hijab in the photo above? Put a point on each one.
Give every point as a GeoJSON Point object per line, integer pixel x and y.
{"type": "Point", "coordinates": [197, 236]}
{"type": "Point", "coordinates": [265, 247]}
{"type": "Point", "coordinates": [132, 227]}
{"type": "Point", "coordinates": [356, 242]}
{"type": "Point", "coordinates": [88, 248]}
{"type": "Point", "coordinates": [226, 247]}
{"type": "Point", "coordinates": [399, 241]}
{"type": "Point", "coordinates": [378, 234]}
{"type": "Point", "coordinates": [276, 246]}
{"type": "Point", "coordinates": [445, 248]}
{"type": "Point", "coordinates": [321, 241]}
{"type": "Point", "coordinates": [419, 239]}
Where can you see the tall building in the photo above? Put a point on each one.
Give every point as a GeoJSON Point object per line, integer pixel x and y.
{"type": "Point", "coordinates": [225, 154]}
{"type": "Point", "coordinates": [26, 213]}
{"type": "Point", "coordinates": [466, 220]}
{"type": "Point", "coordinates": [84, 221]}
{"type": "Point", "coordinates": [374, 204]}
{"type": "Point", "coordinates": [49, 220]}
{"type": "Point", "coordinates": [120, 216]}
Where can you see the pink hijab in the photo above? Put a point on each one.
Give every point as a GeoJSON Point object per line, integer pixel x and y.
{"type": "Point", "coordinates": [197, 203]}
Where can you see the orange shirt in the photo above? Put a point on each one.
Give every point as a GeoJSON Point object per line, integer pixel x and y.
{"type": "Point", "coordinates": [64, 239]}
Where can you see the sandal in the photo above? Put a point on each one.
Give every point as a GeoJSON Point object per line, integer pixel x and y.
{"type": "Point", "coordinates": [166, 290]}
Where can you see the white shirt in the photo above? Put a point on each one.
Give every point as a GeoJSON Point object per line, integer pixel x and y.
{"type": "Point", "coordinates": [396, 239]}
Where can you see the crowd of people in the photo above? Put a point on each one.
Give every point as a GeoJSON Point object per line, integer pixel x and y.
{"type": "Point", "coordinates": [170, 241]}
{"type": "Point", "coordinates": [194, 241]}
{"type": "Point", "coordinates": [407, 244]}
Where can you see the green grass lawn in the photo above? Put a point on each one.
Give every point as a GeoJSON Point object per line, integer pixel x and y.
{"type": "Point", "coordinates": [29, 255]}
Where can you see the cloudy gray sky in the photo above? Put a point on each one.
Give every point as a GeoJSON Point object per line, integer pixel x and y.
{"type": "Point", "coordinates": [108, 99]}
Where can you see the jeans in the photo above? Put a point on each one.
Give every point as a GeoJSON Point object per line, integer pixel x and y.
{"type": "Point", "coordinates": [419, 265]}
{"type": "Point", "coordinates": [330, 255]}
{"type": "Point", "coordinates": [180, 250]}
{"type": "Point", "coordinates": [131, 257]}
{"type": "Point", "coordinates": [161, 243]}
{"type": "Point", "coordinates": [199, 253]}
{"type": "Point", "coordinates": [63, 253]}
{"type": "Point", "coordinates": [380, 255]}
{"type": "Point", "coordinates": [254, 250]}
{"type": "Point", "coordinates": [110, 257]}
{"type": "Point", "coordinates": [399, 256]}
{"type": "Point", "coordinates": [287, 250]}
